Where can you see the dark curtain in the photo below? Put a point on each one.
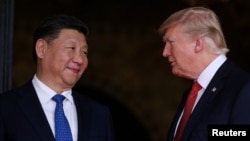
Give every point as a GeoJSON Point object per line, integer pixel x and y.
{"type": "Point", "coordinates": [6, 43]}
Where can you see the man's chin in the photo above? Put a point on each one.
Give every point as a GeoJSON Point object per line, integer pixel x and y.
{"type": "Point", "coordinates": [71, 82]}
{"type": "Point", "coordinates": [177, 73]}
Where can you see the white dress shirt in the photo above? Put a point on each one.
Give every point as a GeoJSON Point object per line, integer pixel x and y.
{"type": "Point", "coordinates": [208, 73]}
{"type": "Point", "coordinates": [45, 95]}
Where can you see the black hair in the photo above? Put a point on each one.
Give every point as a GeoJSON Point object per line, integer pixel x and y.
{"type": "Point", "coordinates": [50, 28]}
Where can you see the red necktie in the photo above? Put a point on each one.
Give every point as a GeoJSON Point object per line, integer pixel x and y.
{"type": "Point", "coordinates": [188, 109]}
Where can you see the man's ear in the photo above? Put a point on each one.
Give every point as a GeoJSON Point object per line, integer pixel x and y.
{"type": "Point", "coordinates": [200, 44]}
{"type": "Point", "coordinates": [41, 47]}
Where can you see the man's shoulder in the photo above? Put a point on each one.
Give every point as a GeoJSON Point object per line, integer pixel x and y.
{"type": "Point", "coordinates": [16, 91]}
{"type": "Point", "coordinates": [86, 100]}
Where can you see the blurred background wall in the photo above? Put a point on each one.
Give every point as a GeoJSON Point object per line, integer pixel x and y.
{"type": "Point", "coordinates": [126, 69]}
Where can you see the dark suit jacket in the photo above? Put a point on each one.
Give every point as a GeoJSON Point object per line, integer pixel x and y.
{"type": "Point", "coordinates": [225, 101]}
{"type": "Point", "coordinates": [22, 118]}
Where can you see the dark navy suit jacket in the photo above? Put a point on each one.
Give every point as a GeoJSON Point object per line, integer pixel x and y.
{"type": "Point", "coordinates": [22, 118]}
{"type": "Point", "coordinates": [225, 101]}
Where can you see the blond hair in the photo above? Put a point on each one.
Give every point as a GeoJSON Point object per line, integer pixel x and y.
{"type": "Point", "coordinates": [199, 22]}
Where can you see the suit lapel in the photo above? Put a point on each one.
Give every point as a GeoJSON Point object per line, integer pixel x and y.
{"type": "Point", "coordinates": [83, 117]}
{"type": "Point", "coordinates": [177, 115]}
{"type": "Point", "coordinates": [32, 108]}
{"type": "Point", "coordinates": [206, 100]}
{"type": "Point", "coordinates": [203, 106]}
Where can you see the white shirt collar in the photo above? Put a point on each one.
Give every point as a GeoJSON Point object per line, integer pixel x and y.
{"type": "Point", "coordinates": [45, 93]}
{"type": "Point", "coordinates": [208, 73]}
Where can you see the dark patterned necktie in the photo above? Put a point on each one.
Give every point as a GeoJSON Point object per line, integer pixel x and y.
{"type": "Point", "coordinates": [62, 128]}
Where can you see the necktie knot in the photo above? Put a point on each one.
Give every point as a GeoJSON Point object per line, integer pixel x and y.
{"type": "Point", "coordinates": [196, 86]}
{"type": "Point", "coordinates": [58, 98]}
